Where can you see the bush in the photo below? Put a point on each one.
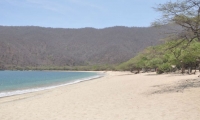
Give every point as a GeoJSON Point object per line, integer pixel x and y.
{"type": "Point", "coordinates": [159, 71]}
{"type": "Point", "coordinates": [165, 67]}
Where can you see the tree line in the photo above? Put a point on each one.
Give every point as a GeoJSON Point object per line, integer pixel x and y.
{"type": "Point", "coordinates": [162, 58]}
{"type": "Point", "coordinates": [182, 49]}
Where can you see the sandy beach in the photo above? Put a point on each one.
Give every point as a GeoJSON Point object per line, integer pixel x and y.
{"type": "Point", "coordinates": [117, 96]}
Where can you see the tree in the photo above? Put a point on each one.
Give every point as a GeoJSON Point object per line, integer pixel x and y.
{"type": "Point", "coordinates": [147, 59]}
{"type": "Point", "coordinates": [185, 13]}
{"type": "Point", "coordinates": [183, 57]}
{"type": "Point", "coordinates": [163, 59]}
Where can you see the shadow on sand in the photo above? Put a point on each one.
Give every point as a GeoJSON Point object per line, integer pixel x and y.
{"type": "Point", "coordinates": [127, 74]}
{"type": "Point", "coordinates": [177, 87]}
{"type": "Point", "coordinates": [169, 74]}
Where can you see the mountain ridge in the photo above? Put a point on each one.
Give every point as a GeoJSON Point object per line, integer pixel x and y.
{"type": "Point", "coordinates": [41, 46]}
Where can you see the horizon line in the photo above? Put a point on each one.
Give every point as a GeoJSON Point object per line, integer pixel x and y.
{"type": "Point", "coordinates": [74, 28]}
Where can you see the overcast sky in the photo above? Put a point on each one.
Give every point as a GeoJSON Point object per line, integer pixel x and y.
{"type": "Point", "coordinates": [78, 13]}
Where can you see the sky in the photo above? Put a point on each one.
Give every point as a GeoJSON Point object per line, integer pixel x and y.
{"type": "Point", "coordinates": [79, 13]}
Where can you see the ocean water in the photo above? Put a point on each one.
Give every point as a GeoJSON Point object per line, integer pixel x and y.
{"type": "Point", "coordinates": [20, 82]}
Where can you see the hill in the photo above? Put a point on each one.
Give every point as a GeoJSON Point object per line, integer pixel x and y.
{"type": "Point", "coordinates": [38, 46]}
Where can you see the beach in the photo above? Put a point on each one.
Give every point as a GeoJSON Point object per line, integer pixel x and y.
{"type": "Point", "coordinates": [116, 96]}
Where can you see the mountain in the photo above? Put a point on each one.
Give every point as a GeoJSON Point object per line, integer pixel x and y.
{"type": "Point", "coordinates": [38, 46]}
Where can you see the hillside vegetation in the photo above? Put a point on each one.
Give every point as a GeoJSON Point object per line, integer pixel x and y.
{"type": "Point", "coordinates": [23, 47]}
{"type": "Point", "coordinates": [166, 58]}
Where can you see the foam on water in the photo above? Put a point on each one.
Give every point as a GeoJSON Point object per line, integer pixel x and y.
{"type": "Point", "coordinates": [18, 92]}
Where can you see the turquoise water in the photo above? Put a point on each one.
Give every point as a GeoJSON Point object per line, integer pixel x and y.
{"type": "Point", "coordinates": [20, 82]}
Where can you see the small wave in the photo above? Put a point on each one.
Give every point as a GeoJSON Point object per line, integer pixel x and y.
{"type": "Point", "coordinates": [19, 92]}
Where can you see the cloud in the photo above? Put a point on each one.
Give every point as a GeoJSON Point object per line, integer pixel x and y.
{"type": "Point", "coordinates": [58, 6]}
{"type": "Point", "coordinates": [12, 2]}
{"type": "Point", "coordinates": [50, 5]}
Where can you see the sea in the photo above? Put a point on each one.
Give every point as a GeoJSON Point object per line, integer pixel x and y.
{"type": "Point", "coordinates": [21, 82]}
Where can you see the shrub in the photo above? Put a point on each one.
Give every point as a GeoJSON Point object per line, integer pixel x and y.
{"type": "Point", "coordinates": [165, 67]}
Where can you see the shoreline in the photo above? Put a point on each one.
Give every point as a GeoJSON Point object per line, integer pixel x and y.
{"type": "Point", "coordinates": [116, 96]}
{"type": "Point", "coordinates": [38, 89]}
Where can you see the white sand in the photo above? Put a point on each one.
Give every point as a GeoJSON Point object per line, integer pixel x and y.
{"type": "Point", "coordinates": [118, 96]}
